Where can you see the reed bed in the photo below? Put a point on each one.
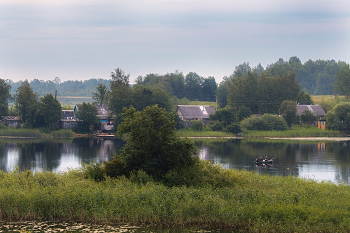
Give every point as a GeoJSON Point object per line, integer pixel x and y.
{"type": "Point", "coordinates": [311, 131]}
{"type": "Point", "coordinates": [35, 133]}
{"type": "Point", "coordinates": [246, 202]}
{"type": "Point", "coordinates": [187, 132]}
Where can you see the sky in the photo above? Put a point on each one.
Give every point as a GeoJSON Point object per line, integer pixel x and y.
{"type": "Point", "coordinates": [84, 39]}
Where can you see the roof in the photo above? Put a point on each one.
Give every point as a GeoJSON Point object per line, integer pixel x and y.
{"type": "Point", "coordinates": [67, 114]}
{"type": "Point", "coordinates": [102, 110]}
{"type": "Point", "coordinates": [11, 118]}
{"type": "Point", "coordinates": [195, 111]}
{"type": "Point", "coordinates": [317, 109]}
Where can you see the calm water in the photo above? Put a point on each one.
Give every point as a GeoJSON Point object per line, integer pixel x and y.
{"type": "Point", "coordinates": [320, 160]}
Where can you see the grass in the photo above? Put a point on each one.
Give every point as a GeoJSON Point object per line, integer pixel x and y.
{"type": "Point", "coordinates": [305, 131]}
{"type": "Point", "coordinates": [34, 133]}
{"type": "Point", "coordinates": [245, 201]}
{"type": "Point", "coordinates": [187, 132]}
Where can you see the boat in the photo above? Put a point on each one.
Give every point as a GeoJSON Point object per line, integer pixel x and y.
{"type": "Point", "coordinates": [261, 161]}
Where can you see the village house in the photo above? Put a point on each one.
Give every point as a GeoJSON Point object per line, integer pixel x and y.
{"type": "Point", "coordinates": [12, 121]}
{"type": "Point", "coordinates": [194, 112]}
{"type": "Point", "coordinates": [317, 110]}
{"type": "Point", "coordinates": [68, 120]}
{"type": "Point", "coordinates": [102, 112]}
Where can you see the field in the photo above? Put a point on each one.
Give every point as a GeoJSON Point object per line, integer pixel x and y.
{"type": "Point", "coordinates": [73, 100]}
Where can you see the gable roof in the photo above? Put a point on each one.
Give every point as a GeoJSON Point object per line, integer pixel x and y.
{"type": "Point", "coordinates": [317, 109]}
{"type": "Point", "coordinates": [67, 114]}
{"type": "Point", "coordinates": [195, 111]}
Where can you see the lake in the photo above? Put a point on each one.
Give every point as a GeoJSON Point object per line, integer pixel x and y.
{"type": "Point", "coordinates": [328, 161]}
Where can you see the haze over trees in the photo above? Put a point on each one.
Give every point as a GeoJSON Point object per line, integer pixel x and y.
{"type": "Point", "coordinates": [5, 96]}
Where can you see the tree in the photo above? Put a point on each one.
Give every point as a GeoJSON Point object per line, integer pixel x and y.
{"type": "Point", "coordinates": [87, 118]}
{"type": "Point", "coordinates": [4, 97]}
{"type": "Point", "coordinates": [308, 117]}
{"type": "Point", "coordinates": [152, 144]}
{"type": "Point", "coordinates": [226, 115]}
{"type": "Point", "coordinates": [101, 94]}
{"type": "Point", "coordinates": [120, 95]}
{"type": "Point", "coordinates": [209, 87]}
{"type": "Point", "coordinates": [193, 86]}
{"type": "Point", "coordinates": [288, 110]}
{"type": "Point", "coordinates": [50, 110]}
{"type": "Point", "coordinates": [339, 117]}
{"type": "Point", "coordinates": [342, 82]}
{"type": "Point", "coordinates": [26, 103]}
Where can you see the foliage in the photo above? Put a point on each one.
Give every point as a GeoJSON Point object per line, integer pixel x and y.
{"type": "Point", "coordinates": [305, 98]}
{"type": "Point", "coordinates": [87, 118]}
{"type": "Point", "coordinates": [101, 95]}
{"type": "Point", "coordinates": [152, 143]}
{"type": "Point", "coordinates": [5, 96]}
{"type": "Point", "coordinates": [234, 128]}
{"type": "Point", "coordinates": [311, 131]}
{"type": "Point", "coordinates": [26, 103]}
{"type": "Point", "coordinates": [187, 132]}
{"type": "Point", "coordinates": [308, 117]}
{"type": "Point", "coordinates": [226, 115]}
{"type": "Point", "coordinates": [266, 122]}
{"type": "Point", "coordinates": [228, 199]}
{"type": "Point", "coordinates": [217, 125]}
{"type": "Point", "coordinates": [339, 117]}
{"type": "Point", "coordinates": [197, 125]}
{"type": "Point", "coordinates": [342, 82]}
{"type": "Point", "coordinates": [50, 110]}
{"type": "Point", "coordinates": [93, 171]}
{"type": "Point", "coordinates": [35, 133]}
{"type": "Point", "coordinates": [288, 110]}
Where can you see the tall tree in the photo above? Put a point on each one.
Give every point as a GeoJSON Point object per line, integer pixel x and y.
{"type": "Point", "coordinates": [193, 86]}
{"type": "Point", "coordinates": [209, 87]}
{"type": "Point", "coordinates": [50, 110]}
{"type": "Point", "coordinates": [4, 97]}
{"type": "Point", "coordinates": [152, 143]}
{"type": "Point", "coordinates": [101, 94]}
{"type": "Point", "coordinates": [26, 103]}
{"type": "Point", "coordinates": [288, 110]}
{"type": "Point", "coordinates": [342, 83]}
{"type": "Point", "coordinates": [87, 117]}
{"type": "Point", "coordinates": [120, 95]}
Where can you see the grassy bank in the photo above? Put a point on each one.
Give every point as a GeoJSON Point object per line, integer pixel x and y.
{"type": "Point", "coordinates": [34, 133]}
{"type": "Point", "coordinates": [187, 132]}
{"type": "Point", "coordinates": [237, 200]}
{"type": "Point", "coordinates": [305, 131]}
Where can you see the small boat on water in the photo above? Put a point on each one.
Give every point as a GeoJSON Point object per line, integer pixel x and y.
{"type": "Point", "coordinates": [261, 161]}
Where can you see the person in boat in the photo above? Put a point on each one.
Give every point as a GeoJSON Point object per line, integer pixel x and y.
{"type": "Point", "coordinates": [266, 159]}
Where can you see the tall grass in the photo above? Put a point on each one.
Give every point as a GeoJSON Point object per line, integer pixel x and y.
{"type": "Point", "coordinates": [35, 133]}
{"type": "Point", "coordinates": [238, 200]}
{"type": "Point", "coordinates": [311, 131]}
{"type": "Point", "coordinates": [187, 132]}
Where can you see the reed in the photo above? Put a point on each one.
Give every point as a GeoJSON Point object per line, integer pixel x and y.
{"type": "Point", "coordinates": [304, 131]}
{"type": "Point", "coordinates": [35, 133]}
{"type": "Point", "coordinates": [187, 132]}
{"type": "Point", "coordinates": [237, 200]}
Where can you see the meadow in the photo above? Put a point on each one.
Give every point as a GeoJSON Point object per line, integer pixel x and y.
{"type": "Point", "coordinates": [226, 199]}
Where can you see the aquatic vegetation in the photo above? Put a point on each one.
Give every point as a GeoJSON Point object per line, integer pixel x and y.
{"type": "Point", "coordinates": [236, 200]}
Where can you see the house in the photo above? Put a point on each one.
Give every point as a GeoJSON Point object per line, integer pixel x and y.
{"type": "Point", "coordinates": [316, 110]}
{"type": "Point", "coordinates": [194, 112]}
{"type": "Point", "coordinates": [103, 112]}
{"type": "Point", "coordinates": [68, 120]}
{"type": "Point", "coordinates": [11, 121]}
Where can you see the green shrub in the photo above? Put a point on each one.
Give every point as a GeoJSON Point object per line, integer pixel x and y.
{"type": "Point", "coordinates": [217, 125]}
{"type": "Point", "coordinates": [266, 122]}
{"type": "Point", "coordinates": [94, 171]}
{"type": "Point", "coordinates": [233, 128]}
{"type": "Point", "coordinates": [140, 177]}
{"type": "Point", "coordinates": [197, 125]}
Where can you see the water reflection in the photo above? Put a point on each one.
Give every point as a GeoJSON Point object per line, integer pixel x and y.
{"type": "Point", "coordinates": [317, 160]}
{"type": "Point", "coordinates": [54, 155]}
{"type": "Point", "coordinates": [311, 160]}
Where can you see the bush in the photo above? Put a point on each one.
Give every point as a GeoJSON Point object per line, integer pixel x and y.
{"type": "Point", "coordinates": [93, 171]}
{"type": "Point", "coordinates": [217, 125]}
{"type": "Point", "coordinates": [233, 128]}
{"type": "Point", "coordinates": [266, 122]}
{"type": "Point", "coordinates": [197, 125]}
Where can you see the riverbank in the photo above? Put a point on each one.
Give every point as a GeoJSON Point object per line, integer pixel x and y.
{"type": "Point", "coordinates": [229, 199]}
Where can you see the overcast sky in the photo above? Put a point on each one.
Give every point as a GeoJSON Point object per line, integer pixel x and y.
{"type": "Point", "coordinates": [84, 39]}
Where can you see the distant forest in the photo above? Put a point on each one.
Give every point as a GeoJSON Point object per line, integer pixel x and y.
{"type": "Point", "coordinates": [315, 77]}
